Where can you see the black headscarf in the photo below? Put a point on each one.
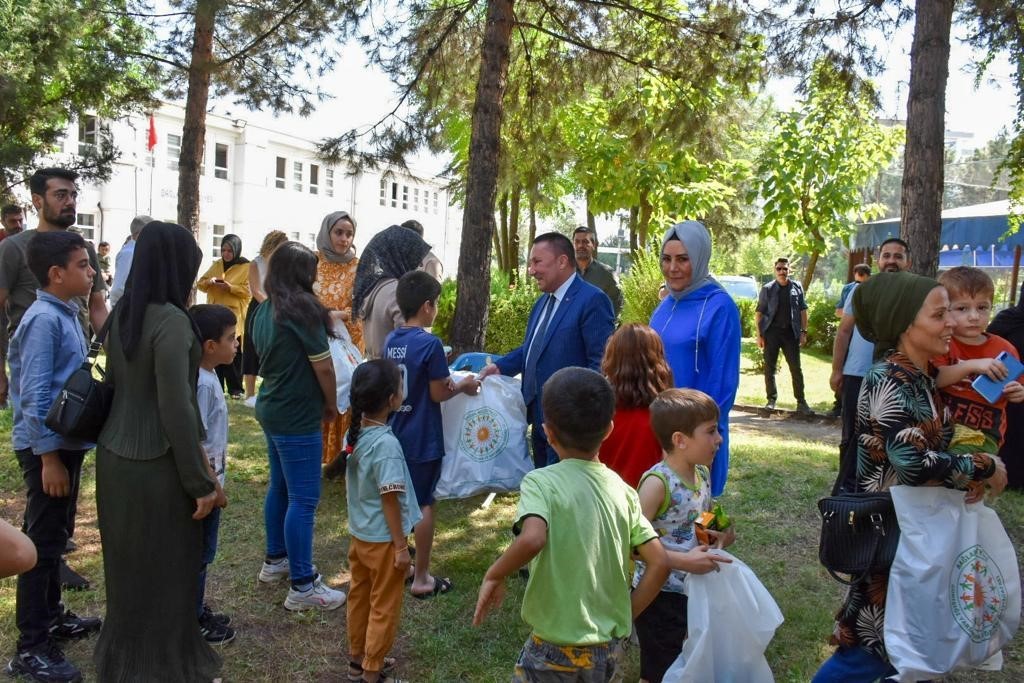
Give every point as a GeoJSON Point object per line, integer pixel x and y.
{"type": "Point", "coordinates": [164, 266]}
{"type": "Point", "coordinates": [887, 304]}
{"type": "Point", "coordinates": [391, 253]}
{"type": "Point", "coordinates": [235, 242]}
{"type": "Point", "coordinates": [1009, 323]}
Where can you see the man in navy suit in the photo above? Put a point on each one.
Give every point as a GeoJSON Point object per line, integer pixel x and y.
{"type": "Point", "coordinates": [568, 326]}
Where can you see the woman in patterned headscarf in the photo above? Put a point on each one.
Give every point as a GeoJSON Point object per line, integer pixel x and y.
{"type": "Point", "coordinates": [226, 282]}
{"type": "Point", "coordinates": [906, 317]}
{"type": "Point", "coordinates": [335, 282]}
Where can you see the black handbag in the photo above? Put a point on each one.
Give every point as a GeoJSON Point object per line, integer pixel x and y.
{"type": "Point", "coordinates": [84, 402]}
{"type": "Point", "coordinates": [859, 535]}
{"type": "Point", "coordinates": [859, 531]}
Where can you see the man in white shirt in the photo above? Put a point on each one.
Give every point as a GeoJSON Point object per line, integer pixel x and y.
{"type": "Point", "coordinates": [123, 260]}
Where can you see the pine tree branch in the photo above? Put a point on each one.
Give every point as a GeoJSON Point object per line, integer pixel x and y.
{"type": "Point", "coordinates": [161, 60]}
{"type": "Point", "coordinates": [255, 42]}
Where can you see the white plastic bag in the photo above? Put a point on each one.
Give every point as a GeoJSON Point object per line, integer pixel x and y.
{"type": "Point", "coordinates": [345, 356]}
{"type": "Point", "coordinates": [954, 593]}
{"type": "Point", "coordinates": [731, 618]}
{"type": "Point", "coordinates": [484, 440]}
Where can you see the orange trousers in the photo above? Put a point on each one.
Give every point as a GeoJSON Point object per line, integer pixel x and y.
{"type": "Point", "coordinates": [374, 601]}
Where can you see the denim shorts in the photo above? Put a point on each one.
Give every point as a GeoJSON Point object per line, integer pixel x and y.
{"type": "Point", "coordinates": [544, 662]}
{"type": "Point", "coordinates": [425, 476]}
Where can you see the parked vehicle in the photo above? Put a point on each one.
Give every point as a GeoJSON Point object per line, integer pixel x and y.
{"type": "Point", "coordinates": [739, 286]}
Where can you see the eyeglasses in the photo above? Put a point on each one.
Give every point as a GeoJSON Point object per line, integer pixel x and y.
{"type": "Point", "coordinates": [781, 269]}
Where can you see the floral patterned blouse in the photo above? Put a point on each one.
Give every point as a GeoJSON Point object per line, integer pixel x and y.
{"type": "Point", "coordinates": [902, 436]}
{"type": "Point", "coordinates": [333, 286]}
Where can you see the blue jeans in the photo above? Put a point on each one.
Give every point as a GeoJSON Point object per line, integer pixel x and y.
{"type": "Point", "coordinates": [292, 499]}
{"type": "Point", "coordinates": [853, 665]}
{"type": "Point", "coordinates": [211, 527]}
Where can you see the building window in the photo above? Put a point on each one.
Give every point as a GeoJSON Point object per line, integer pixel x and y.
{"type": "Point", "coordinates": [311, 239]}
{"type": "Point", "coordinates": [394, 195]}
{"type": "Point", "coordinates": [405, 196]}
{"type": "Point", "coordinates": [329, 182]}
{"type": "Point", "coordinates": [88, 134]}
{"type": "Point", "coordinates": [415, 199]}
{"type": "Point", "coordinates": [297, 175]}
{"type": "Point", "coordinates": [314, 179]}
{"type": "Point", "coordinates": [173, 151]}
{"type": "Point", "coordinates": [86, 223]}
{"type": "Point", "coordinates": [294, 236]}
{"type": "Point", "coordinates": [435, 202]}
{"type": "Point", "coordinates": [220, 161]}
{"type": "Point", "coordinates": [280, 173]}
{"type": "Point", "coordinates": [218, 235]}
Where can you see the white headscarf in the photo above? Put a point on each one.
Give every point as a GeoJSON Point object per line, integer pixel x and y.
{"type": "Point", "coordinates": [697, 240]}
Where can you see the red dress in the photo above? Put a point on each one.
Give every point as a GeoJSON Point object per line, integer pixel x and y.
{"type": "Point", "coordinates": [631, 449]}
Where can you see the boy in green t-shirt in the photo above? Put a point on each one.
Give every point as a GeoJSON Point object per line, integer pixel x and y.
{"type": "Point", "coordinates": [578, 524]}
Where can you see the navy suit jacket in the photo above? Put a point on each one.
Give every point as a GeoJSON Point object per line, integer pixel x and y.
{"type": "Point", "coordinates": [576, 336]}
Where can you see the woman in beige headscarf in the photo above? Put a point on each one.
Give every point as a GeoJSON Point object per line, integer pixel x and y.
{"type": "Point", "coordinates": [335, 279]}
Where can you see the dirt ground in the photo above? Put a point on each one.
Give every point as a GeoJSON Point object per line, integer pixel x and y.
{"type": "Point", "coordinates": [778, 423]}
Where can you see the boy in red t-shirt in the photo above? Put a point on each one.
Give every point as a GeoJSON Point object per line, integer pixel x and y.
{"type": "Point", "coordinates": [979, 425]}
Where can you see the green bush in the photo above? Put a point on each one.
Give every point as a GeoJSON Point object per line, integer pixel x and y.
{"type": "Point", "coordinates": [747, 308]}
{"type": "Point", "coordinates": [822, 323]}
{"type": "Point", "coordinates": [640, 286]}
{"type": "Point", "coordinates": [445, 311]}
{"type": "Point", "coordinates": [506, 321]}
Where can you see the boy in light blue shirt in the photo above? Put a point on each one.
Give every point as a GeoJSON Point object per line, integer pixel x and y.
{"type": "Point", "coordinates": [46, 349]}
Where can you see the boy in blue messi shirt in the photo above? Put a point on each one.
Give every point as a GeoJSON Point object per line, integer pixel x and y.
{"type": "Point", "coordinates": [578, 524]}
{"type": "Point", "coordinates": [426, 382]}
{"type": "Point", "coordinates": [46, 348]}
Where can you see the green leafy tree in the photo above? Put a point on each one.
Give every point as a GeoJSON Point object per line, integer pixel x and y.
{"type": "Point", "coordinates": [60, 60]}
{"type": "Point", "coordinates": [815, 162]}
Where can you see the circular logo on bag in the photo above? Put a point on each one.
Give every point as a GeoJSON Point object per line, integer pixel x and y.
{"type": "Point", "coordinates": [977, 593]}
{"type": "Point", "coordinates": [484, 434]}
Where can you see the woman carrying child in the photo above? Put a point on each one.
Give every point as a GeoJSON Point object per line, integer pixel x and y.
{"type": "Point", "coordinates": [290, 330]}
{"type": "Point", "coordinates": [382, 510]}
{"type": "Point", "coordinates": [634, 364]}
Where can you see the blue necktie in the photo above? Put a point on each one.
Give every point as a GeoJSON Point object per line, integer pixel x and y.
{"type": "Point", "coordinates": [530, 373]}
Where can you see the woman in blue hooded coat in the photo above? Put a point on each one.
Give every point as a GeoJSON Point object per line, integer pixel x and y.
{"type": "Point", "coordinates": [699, 325]}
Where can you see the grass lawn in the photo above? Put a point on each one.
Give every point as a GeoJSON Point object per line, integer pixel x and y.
{"type": "Point", "coordinates": [779, 471]}
{"type": "Point", "coordinates": [816, 366]}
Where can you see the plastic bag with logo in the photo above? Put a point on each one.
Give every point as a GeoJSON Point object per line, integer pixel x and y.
{"type": "Point", "coordinates": [484, 440]}
{"type": "Point", "coordinates": [345, 356]}
{"type": "Point", "coordinates": [954, 594]}
{"type": "Point", "coordinates": [731, 618]}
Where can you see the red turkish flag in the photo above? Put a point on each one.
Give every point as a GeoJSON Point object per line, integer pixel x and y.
{"type": "Point", "coordinates": [151, 140]}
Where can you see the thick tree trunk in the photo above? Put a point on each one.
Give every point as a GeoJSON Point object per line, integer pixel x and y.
{"type": "Point", "coordinates": [512, 246]}
{"type": "Point", "coordinates": [644, 222]}
{"type": "Point", "coordinates": [921, 202]}
{"type": "Point", "coordinates": [470, 321]}
{"type": "Point", "coordinates": [634, 220]}
{"type": "Point", "coordinates": [532, 199]}
{"type": "Point", "coordinates": [812, 263]}
{"type": "Point", "coordinates": [590, 215]}
{"type": "Point", "coordinates": [193, 135]}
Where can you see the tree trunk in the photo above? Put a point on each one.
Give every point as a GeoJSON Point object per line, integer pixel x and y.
{"type": "Point", "coordinates": [921, 201]}
{"type": "Point", "coordinates": [470, 321]}
{"type": "Point", "coordinates": [634, 220]}
{"type": "Point", "coordinates": [501, 234]}
{"type": "Point", "coordinates": [812, 263]}
{"type": "Point", "coordinates": [532, 199]}
{"type": "Point", "coordinates": [646, 209]}
{"type": "Point", "coordinates": [512, 247]}
{"type": "Point", "coordinates": [590, 215]}
{"type": "Point", "coordinates": [193, 134]}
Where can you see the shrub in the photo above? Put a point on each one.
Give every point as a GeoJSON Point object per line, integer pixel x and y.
{"type": "Point", "coordinates": [747, 308]}
{"type": "Point", "coordinates": [640, 286]}
{"type": "Point", "coordinates": [506, 321]}
{"type": "Point", "coordinates": [822, 323]}
{"type": "Point", "coordinates": [445, 310]}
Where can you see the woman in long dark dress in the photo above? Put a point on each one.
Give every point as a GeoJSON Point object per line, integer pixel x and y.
{"type": "Point", "coordinates": [152, 481]}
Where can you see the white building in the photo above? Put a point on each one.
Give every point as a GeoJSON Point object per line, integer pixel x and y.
{"type": "Point", "coordinates": [254, 180]}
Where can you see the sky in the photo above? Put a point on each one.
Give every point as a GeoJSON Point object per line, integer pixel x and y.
{"type": "Point", "coordinates": [362, 95]}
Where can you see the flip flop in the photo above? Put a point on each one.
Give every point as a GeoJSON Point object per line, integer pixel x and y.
{"type": "Point", "coordinates": [441, 586]}
{"type": "Point", "coordinates": [355, 670]}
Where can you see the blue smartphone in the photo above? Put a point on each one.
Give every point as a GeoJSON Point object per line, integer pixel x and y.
{"type": "Point", "coordinates": [991, 389]}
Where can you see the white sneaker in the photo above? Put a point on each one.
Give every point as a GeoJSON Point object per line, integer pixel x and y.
{"type": "Point", "coordinates": [250, 402]}
{"type": "Point", "coordinates": [272, 572]}
{"type": "Point", "coordinates": [317, 597]}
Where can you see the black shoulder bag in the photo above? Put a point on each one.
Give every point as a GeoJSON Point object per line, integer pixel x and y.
{"type": "Point", "coordinates": [859, 531]}
{"type": "Point", "coordinates": [83, 404]}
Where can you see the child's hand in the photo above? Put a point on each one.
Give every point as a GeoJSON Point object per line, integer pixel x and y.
{"type": "Point", "coordinates": [492, 592]}
{"type": "Point", "coordinates": [56, 483]}
{"type": "Point", "coordinates": [990, 367]}
{"type": "Point", "coordinates": [1014, 392]}
{"type": "Point", "coordinates": [700, 561]}
{"type": "Point", "coordinates": [403, 559]}
{"type": "Point", "coordinates": [723, 539]}
{"type": "Point", "coordinates": [330, 412]}
{"type": "Point", "coordinates": [469, 385]}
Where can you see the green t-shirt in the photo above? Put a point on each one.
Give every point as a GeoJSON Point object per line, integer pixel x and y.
{"type": "Point", "coordinates": [290, 400]}
{"type": "Point", "coordinates": [578, 593]}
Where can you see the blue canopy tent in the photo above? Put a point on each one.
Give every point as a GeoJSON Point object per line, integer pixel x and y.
{"type": "Point", "coordinates": [971, 236]}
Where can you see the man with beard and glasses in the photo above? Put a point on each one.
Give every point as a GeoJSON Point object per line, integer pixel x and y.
{"type": "Point", "coordinates": [55, 198]}
{"type": "Point", "coordinates": [851, 358]}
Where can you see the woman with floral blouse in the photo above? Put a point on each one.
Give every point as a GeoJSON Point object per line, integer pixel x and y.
{"type": "Point", "coordinates": [902, 433]}
{"type": "Point", "coordinates": [335, 279]}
